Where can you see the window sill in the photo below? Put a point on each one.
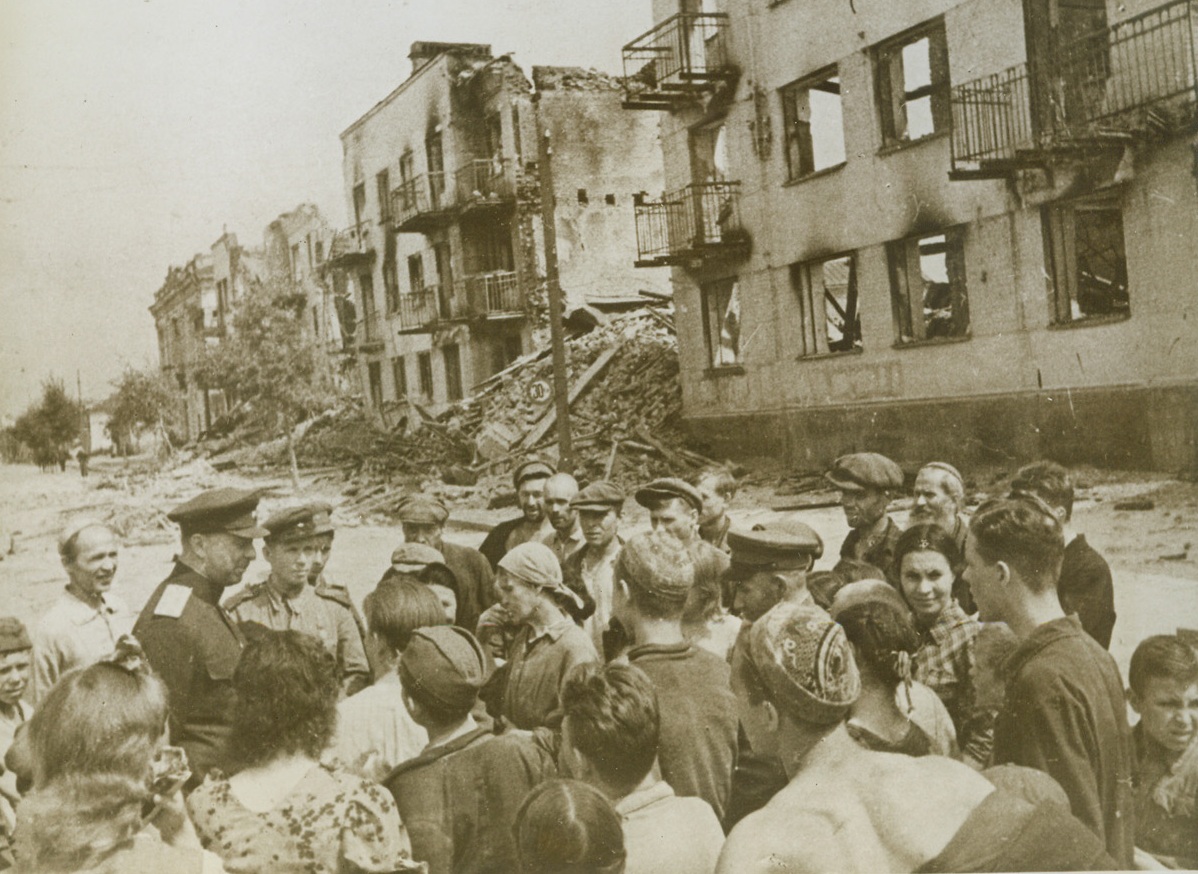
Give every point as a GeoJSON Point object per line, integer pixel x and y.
{"type": "Point", "coordinates": [723, 370]}
{"type": "Point", "coordinates": [1092, 321]}
{"type": "Point", "coordinates": [826, 171]}
{"type": "Point", "coordinates": [819, 356]}
{"type": "Point", "coordinates": [903, 145]}
{"type": "Point", "coordinates": [938, 341]}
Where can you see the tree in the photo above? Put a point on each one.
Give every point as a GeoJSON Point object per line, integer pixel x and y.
{"type": "Point", "coordinates": [270, 365]}
{"type": "Point", "coordinates": [143, 400]}
{"type": "Point", "coordinates": [51, 425]}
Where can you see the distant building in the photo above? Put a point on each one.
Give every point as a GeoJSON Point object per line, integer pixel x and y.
{"type": "Point", "coordinates": [445, 252]}
{"type": "Point", "coordinates": [962, 230]}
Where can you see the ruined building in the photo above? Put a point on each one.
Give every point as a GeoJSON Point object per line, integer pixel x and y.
{"type": "Point", "coordinates": [965, 230]}
{"type": "Point", "coordinates": [445, 253]}
{"type": "Point", "coordinates": [185, 316]}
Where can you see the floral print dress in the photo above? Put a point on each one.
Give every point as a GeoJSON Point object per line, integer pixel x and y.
{"type": "Point", "coordinates": [331, 822]}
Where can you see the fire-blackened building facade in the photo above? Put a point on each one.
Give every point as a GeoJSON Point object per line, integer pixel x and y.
{"type": "Point", "coordinates": [445, 251]}
{"type": "Point", "coordinates": [935, 229]}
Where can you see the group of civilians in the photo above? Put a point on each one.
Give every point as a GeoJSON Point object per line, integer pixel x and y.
{"type": "Point", "coordinates": [693, 698]}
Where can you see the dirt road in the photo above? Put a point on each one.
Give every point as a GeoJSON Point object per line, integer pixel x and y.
{"type": "Point", "coordinates": [1153, 595]}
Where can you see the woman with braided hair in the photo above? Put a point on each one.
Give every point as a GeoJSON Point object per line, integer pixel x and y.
{"type": "Point", "coordinates": [893, 713]}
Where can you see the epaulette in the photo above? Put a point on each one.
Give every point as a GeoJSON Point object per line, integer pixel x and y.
{"type": "Point", "coordinates": [253, 590]}
{"type": "Point", "coordinates": [335, 593]}
{"type": "Point", "coordinates": [172, 601]}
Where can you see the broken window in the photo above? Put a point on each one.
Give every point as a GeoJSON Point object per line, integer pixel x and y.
{"type": "Point", "coordinates": [927, 287]}
{"type": "Point", "coordinates": [913, 85]}
{"type": "Point", "coordinates": [814, 122]}
{"type": "Point", "coordinates": [827, 292]}
{"type": "Point", "coordinates": [452, 358]}
{"type": "Point", "coordinates": [297, 271]}
{"type": "Point", "coordinates": [390, 282]}
{"type": "Point", "coordinates": [434, 155]}
{"type": "Point", "coordinates": [359, 203]}
{"type": "Point", "coordinates": [416, 273]}
{"type": "Point", "coordinates": [424, 364]}
{"type": "Point", "coordinates": [374, 373]}
{"type": "Point", "coordinates": [1086, 260]}
{"type": "Point", "coordinates": [382, 182]}
{"type": "Point", "coordinates": [721, 319]}
{"type": "Point", "coordinates": [399, 375]}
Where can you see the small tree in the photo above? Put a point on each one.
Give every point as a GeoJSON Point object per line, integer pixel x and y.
{"type": "Point", "coordinates": [51, 425]}
{"type": "Point", "coordinates": [271, 365]}
{"type": "Point", "coordinates": [142, 401]}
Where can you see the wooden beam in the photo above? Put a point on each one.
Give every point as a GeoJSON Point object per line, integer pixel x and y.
{"type": "Point", "coordinates": [542, 427]}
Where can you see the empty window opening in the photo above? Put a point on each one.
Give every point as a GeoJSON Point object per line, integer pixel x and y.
{"type": "Point", "coordinates": [1086, 260]}
{"type": "Point", "coordinates": [814, 119]}
{"type": "Point", "coordinates": [927, 284]}
{"type": "Point", "coordinates": [827, 291]}
{"type": "Point", "coordinates": [913, 85]}
{"type": "Point", "coordinates": [399, 375]}
{"type": "Point", "coordinates": [609, 199]}
{"type": "Point", "coordinates": [582, 197]}
{"type": "Point", "coordinates": [424, 364]}
{"type": "Point", "coordinates": [721, 319]}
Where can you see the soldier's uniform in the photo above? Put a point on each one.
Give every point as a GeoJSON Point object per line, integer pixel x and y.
{"type": "Point", "coordinates": [190, 642]}
{"type": "Point", "coordinates": [307, 612]}
{"type": "Point", "coordinates": [333, 591]}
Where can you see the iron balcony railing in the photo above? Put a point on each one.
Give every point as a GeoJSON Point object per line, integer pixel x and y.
{"type": "Point", "coordinates": [1137, 75]}
{"type": "Point", "coordinates": [684, 55]}
{"type": "Point", "coordinates": [700, 220]}
{"type": "Point", "coordinates": [351, 244]}
{"type": "Point", "coordinates": [495, 294]}
{"type": "Point", "coordinates": [422, 202]}
{"type": "Point", "coordinates": [485, 182]}
{"type": "Point", "coordinates": [418, 309]}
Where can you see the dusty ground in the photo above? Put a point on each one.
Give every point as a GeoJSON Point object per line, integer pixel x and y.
{"type": "Point", "coordinates": [1154, 594]}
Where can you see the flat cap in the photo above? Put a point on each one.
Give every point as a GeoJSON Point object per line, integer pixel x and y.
{"type": "Point", "coordinates": [865, 470]}
{"type": "Point", "coordinates": [415, 557]}
{"type": "Point", "coordinates": [805, 662]}
{"type": "Point", "coordinates": [296, 523]}
{"type": "Point", "coordinates": [669, 487]}
{"type": "Point", "coordinates": [599, 495]}
{"type": "Point", "coordinates": [13, 635]}
{"type": "Point", "coordinates": [446, 664]}
{"type": "Point", "coordinates": [783, 545]}
{"type": "Point", "coordinates": [421, 509]}
{"type": "Point", "coordinates": [658, 564]}
{"type": "Point", "coordinates": [224, 510]}
{"type": "Point", "coordinates": [532, 470]}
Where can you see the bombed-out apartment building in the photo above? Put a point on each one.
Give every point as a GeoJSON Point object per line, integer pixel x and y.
{"type": "Point", "coordinates": [195, 305]}
{"type": "Point", "coordinates": [965, 230]}
{"type": "Point", "coordinates": [445, 253]}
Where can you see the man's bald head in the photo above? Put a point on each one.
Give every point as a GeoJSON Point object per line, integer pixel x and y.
{"type": "Point", "coordinates": [560, 489]}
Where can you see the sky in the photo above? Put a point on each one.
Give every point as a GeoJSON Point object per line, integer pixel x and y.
{"type": "Point", "coordinates": [134, 132]}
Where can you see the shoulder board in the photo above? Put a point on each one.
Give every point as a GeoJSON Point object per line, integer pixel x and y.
{"type": "Point", "coordinates": [335, 593]}
{"type": "Point", "coordinates": [248, 593]}
{"type": "Point", "coordinates": [172, 601]}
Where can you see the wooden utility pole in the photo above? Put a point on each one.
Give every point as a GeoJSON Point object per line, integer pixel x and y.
{"type": "Point", "coordinates": [565, 447]}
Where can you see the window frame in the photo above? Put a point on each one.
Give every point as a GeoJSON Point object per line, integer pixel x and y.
{"type": "Point", "coordinates": [382, 184]}
{"type": "Point", "coordinates": [399, 376]}
{"type": "Point", "coordinates": [424, 368]}
{"type": "Point", "coordinates": [1058, 225]}
{"type": "Point", "coordinates": [791, 122]}
{"type": "Point", "coordinates": [814, 319]}
{"type": "Point", "coordinates": [713, 342]}
{"type": "Point", "coordinates": [906, 252]}
{"type": "Point", "coordinates": [890, 100]}
{"type": "Point", "coordinates": [451, 354]}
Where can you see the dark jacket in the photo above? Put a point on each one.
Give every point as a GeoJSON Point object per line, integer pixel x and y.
{"type": "Point", "coordinates": [474, 576]}
{"type": "Point", "coordinates": [699, 720]}
{"type": "Point", "coordinates": [1064, 714]}
{"type": "Point", "coordinates": [459, 801]}
{"type": "Point", "coordinates": [194, 647]}
{"type": "Point", "coordinates": [878, 552]}
{"type": "Point", "coordinates": [1085, 588]}
{"type": "Point", "coordinates": [494, 545]}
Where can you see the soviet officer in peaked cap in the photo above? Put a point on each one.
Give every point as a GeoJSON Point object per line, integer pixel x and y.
{"type": "Point", "coordinates": [285, 601]}
{"type": "Point", "coordinates": [769, 565]}
{"type": "Point", "coordinates": [866, 480]}
{"type": "Point", "coordinates": [190, 642]}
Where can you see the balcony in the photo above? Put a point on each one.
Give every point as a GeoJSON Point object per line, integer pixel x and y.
{"type": "Point", "coordinates": [418, 311]}
{"type": "Point", "coordinates": [352, 247]}
{"type": "Point", "coordinates": [1132, 80]}
{"type": "Point", "coordinates": [680, 59]}
{"type": "Point", "coordinates": [423, 204]}
{"type": "Point", "coordinates": [495, 295]}
{"type": "Point", "coordinates": [698, 222]}
{"type": "Point", "coordinates": [369, 332]}
{"type": "Point", "coordinates": [486, 184]}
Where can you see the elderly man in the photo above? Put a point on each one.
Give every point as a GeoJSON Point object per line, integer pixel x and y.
{"type": "Point", "coordinates": [529, 481]}
{"type": "Point", "coordinates": [285, 601]}
{"type": "Point", "coordinates": [15, 661]}
{"type": "Point", "coordinates": [865, 480]}
{"type": "Point", "coordinates": [847, 808]}
{"type": "Point", "coordinates": [654, 574]}
{"type": "Point", "coordinates": [769, 565]}
{"type": "Point", "coordinates": [1064, 710]}
{"type": "Point", "coordinates": [423, 518]}
{"type": "Point", "coordinates": [191, 643]}
{"type": "Point", "coordinates": [591, 568]}
{"type": "Point", "coordinates": [84, 624]}
{"type": "Point", "coordinates": [717, 487]}
{"type": "Point", "coordinates": [939, 494]}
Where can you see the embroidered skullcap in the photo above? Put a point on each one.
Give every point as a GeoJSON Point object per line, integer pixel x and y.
{"type": "Point", "coordinates": [658, 564]}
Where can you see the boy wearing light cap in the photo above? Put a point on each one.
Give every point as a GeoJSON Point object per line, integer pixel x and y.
{"type": "Point", "coordinates": [846, 808]}
{"type": "Point", "coordinates": [458, 799]}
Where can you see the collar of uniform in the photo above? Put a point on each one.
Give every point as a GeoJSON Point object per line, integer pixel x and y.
{"type": "Point", "coordinates": [553, 631]}
{"type": "Point", "coordinates": [203, 588]}
{"type": "Point", "coordinates": [644, 796]}
{"type": "Point", "coordinates": [80, 612]}
{"type": "Point", "coordinates": [281, 602]}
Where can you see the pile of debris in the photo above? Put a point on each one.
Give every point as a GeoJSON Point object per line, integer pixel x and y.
{"type": "Point", "coordinates": [624, 399]}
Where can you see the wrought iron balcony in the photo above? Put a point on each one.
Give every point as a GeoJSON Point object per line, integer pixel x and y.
{"type": "Point", "coordinates": [423, 203]}
{"type": "Point", "coordinates": [352, 246]}
{"type": "Point", "coordinates": [1135, 78]}
{"type": "Point", "coordinates": [368, 332]}
{"type": "Point", "coordinates": [486, 182]}
{"type": "Point", "coordinates": [684, 56]}
{"type": "Point", "coordinates": [495, 295]}
{"type": "Point", "coordinates": [418, 311]}
{"type": "Point", "coordinates": [700, 221]}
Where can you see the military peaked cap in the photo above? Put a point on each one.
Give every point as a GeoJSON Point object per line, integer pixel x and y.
{"type": "Point", "coordinates": [224, 510]}
{"type": "Point", "coordinates": [865, 470]}
{"type": "Point", "coordinates": [775, 546]}
{"type": "Point", "coordinates": [297, 523]}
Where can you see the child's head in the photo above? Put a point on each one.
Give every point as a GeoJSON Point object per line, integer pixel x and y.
{"type": "Point", "coordinates": [1163, 681]}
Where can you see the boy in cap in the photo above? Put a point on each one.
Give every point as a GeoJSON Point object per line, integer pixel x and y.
{"type": "Point", "coordinates": [865, 480]}
{"type": "Point", "coordinates": [591, 568]}
{"type": "Point", "coordinates": [458, 799]}
{"type": "Point", "coordinates": [286, 602]}
{"type": "Point", "coordinates": [15, 663]}
{"type": "Point", "coordinates": [770, 564]}
{"type": "Point", "coordinates": [529, 482]}
{"type": "Point", "coordinates": [846, 808]}
{"type": "Point", "coordinates": [654, 575]}
{"type": "Point", "coordinates": [322, 516]}
{"type": "Point", "coordinates": [190, 642]}
{"type": "Point", "coordinates": [423, 518]}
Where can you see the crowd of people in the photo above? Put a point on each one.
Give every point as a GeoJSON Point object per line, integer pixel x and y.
{"type": "Point", "coordinates": [693, 698]}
